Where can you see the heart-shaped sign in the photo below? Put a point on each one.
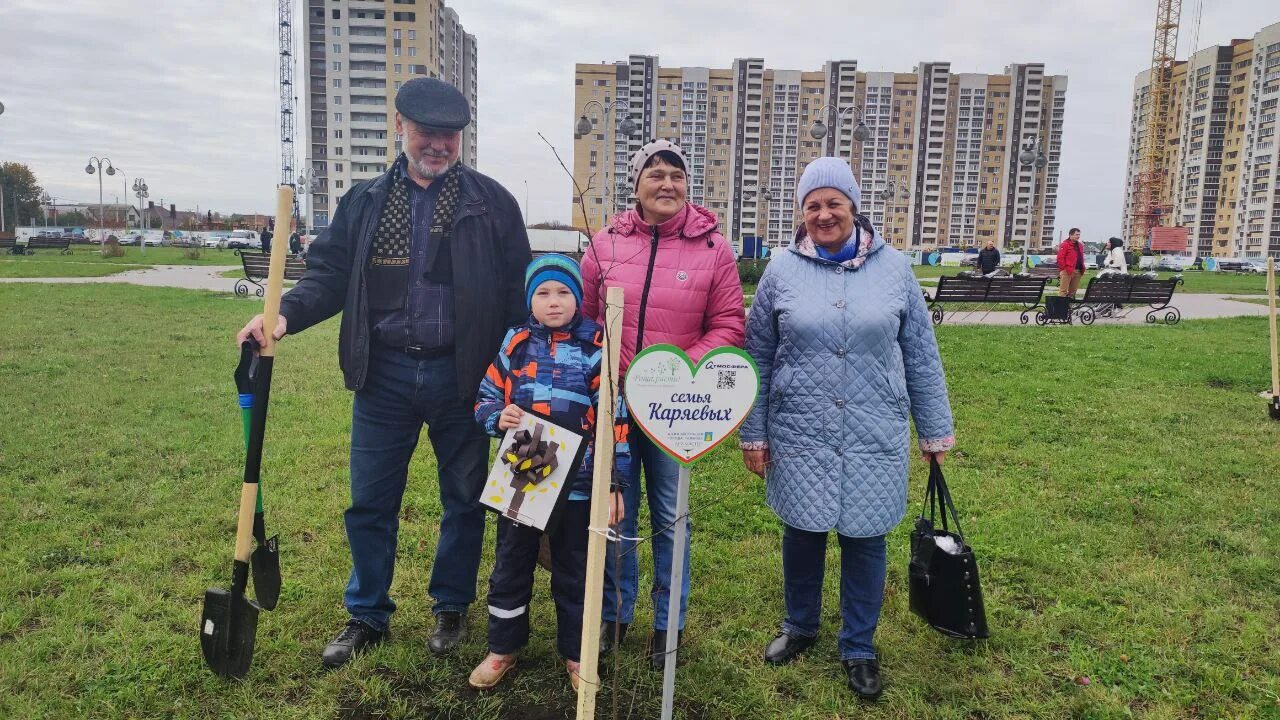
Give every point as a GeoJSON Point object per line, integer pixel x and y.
{"type": "Point", "coordinates": [688, 410]}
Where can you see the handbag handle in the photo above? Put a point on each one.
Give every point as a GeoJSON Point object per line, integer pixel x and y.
{"type": "Point", "coordinates": [938, 494]}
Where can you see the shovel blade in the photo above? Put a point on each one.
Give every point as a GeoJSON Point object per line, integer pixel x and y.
{"type": "Point", "coordinates": [266, 573]}
{"type": "Point", "coordinates": [228, 626]}
{"type": "Point", "coordinates": [1273, 408]}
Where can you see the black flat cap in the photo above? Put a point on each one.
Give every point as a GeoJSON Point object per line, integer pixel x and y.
{"type": "Point", "coordinates": [434, 104]}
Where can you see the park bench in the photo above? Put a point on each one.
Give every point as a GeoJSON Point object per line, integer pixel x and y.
{"type": "Point", "coordinates": [10, 245]}
{"type": "Point", "coordinates": [1048, 271]}
{"type": "Point", "coordinates": [49, 242]}
{"type": "Point", "coordinates": [257, 263]}
{"type": "Point", "coordinates": [1023, 291]}
{"type": "Point", "coordinates": [1108, 296]}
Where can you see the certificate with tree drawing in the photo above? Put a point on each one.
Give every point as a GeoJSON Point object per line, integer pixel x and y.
{"type": "Point", "coordinates": [537, 462]}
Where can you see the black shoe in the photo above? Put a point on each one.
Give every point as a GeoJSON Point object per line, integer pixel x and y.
{"type": "Point", "coordinates": [607, 630]}
{"type": "Point", "coordinates": [785, 648]}
{"type": "Point", "coordinates": [355, 638]}
{"type": "Point", "coordinates": [658, 648]}
{"type": "Point", "coordinates": [450, 631]}
{"type": "Point", "coordinates": [864, 678]}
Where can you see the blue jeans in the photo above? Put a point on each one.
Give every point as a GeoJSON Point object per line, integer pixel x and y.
{"type": "Point", "coordinates": [862, 569]}
{"type": "Point", "coordinates": [400, 394]}
{"type": "Point", "coordinates": [661, 475]}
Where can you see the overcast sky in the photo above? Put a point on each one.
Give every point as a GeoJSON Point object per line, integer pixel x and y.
{"type": "Point", "coordinates": [184, 92]}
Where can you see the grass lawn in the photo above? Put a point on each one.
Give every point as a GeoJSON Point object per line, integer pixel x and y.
{"type": "Point", "coordinates": [1119, 539]}
{"type": "Point", "coordinates": [136, 256]}
{"type": "Point", "coordinates": [39, 267]}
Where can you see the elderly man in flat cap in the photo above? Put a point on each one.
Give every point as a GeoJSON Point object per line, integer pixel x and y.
{"type": "Point", "coordinates": [426, 263]}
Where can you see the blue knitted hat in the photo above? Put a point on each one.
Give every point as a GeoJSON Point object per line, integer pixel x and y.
{"type": "Point", "coordinates": [552, 266]}
{"type": "Point", "coordinates": [829, 172]}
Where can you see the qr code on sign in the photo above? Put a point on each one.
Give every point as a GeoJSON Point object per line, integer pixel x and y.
{"type": "Point", "coordinates": [725, 380]}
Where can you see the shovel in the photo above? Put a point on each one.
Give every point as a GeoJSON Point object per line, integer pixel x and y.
{"type": "Point", "coordinates": [229, 620]}
{"type": "Point", "coordinates": [265, 561]}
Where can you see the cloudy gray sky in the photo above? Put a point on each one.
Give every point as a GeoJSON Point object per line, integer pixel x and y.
{"type": "Point", "coordinates": [184, 92]}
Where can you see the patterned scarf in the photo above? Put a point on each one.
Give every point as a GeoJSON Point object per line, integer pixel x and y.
{"type": "Point", "coordinates": [859, 242]}
{"type": "Point", "coordinates": [388, 271]}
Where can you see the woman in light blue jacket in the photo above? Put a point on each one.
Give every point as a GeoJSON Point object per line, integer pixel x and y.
{"type": "Point", "coordinates": [846, 354]}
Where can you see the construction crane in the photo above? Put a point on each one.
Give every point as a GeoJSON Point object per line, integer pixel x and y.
{"type": "Point", "coordinates": [285, 32]}
{"type": "Point", "coordinates": [1149, 206]}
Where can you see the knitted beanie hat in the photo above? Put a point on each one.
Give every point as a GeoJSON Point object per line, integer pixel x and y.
{"type": "Point", "coordinates": [651, 148]}
{"type": "Point", "coordinates": [552, 266]}
{"type": "Point", "coordinates": [829, 172]}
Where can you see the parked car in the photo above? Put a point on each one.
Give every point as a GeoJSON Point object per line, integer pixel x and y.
{"type": "Point", "coordinates": [216, 239]}
{"type": "Point", "coordinates": [244, 239]}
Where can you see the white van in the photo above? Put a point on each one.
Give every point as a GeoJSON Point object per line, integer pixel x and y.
{"type": "Point", "coordinates": [244, 239]}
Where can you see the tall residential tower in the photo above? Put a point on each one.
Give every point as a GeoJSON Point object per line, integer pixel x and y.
{"type": "Point", "coordinates": [938, 166]}
{"type": "Point", "coordinates": [358, 54]}
{"type": "Point", "coordinates": [1221, 178]}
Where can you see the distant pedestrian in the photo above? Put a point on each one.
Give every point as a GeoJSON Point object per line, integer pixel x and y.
{"type": "Point", "coordinates": [988, 258]}
{"type": "Point", "coordinates": [1115, 255]}
{"type": "Point", "coordinates": [265, 238]}
{"type": "Point", "coordinates": [1070, 264]}
{"type": "Point", "coordinates": [295, 243]}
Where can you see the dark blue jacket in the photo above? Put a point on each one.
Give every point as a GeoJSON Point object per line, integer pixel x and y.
{"type": "Point", "coordinates": [490, 250]}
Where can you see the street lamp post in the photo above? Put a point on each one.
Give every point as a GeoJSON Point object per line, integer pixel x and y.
{"type": "Point", "coordinates": [1031, 157]}
{"type": "Point", "coordinates": [141, 190]}
{"type": "Point", "coordinates": [45, 200]}
{"type": "Point", "coordinates": [894, 190]}
{"type": "Point", "coordinates": [750, 192]}
{"type": "Point", "coordinates": [96, 162]}
{"type": "Point", "coordinates": [628, 128]}
{"type": "Point", "coordinates": [818, 128]}
{"type": "Point", "coordinates": [306, 185]}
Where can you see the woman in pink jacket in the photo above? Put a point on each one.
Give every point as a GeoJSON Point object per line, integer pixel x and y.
{"type": "Point", "coordinates": [682, 287]}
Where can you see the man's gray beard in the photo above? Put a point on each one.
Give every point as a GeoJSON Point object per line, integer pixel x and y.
{"type": "Point", "coordinates": [424, 172]}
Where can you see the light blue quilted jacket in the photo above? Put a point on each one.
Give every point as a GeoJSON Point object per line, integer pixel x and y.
{"type": "Point", "coordinates": [845, 354]}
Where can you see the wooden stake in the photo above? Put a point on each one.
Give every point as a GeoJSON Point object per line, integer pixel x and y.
{"type": "Point", "coordinates": [1271, 319]}
{"type": "Point", "coordinates": [597, 545]}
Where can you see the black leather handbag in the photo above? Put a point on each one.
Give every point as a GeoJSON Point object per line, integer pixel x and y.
{"type": "Point", "coordinates": [945, 591]}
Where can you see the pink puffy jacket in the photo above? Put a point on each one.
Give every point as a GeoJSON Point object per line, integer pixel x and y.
{"type": "Point", "coordinates": [693, 299]}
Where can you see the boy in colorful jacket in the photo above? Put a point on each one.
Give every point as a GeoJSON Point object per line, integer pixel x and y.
{"type": "Point", "coordinates": [551, 365]}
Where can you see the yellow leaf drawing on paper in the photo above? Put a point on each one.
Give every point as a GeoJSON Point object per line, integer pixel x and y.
{"type": "Point", "coordinates": [496, 498]}
{"type": "Point", "coordinates": [527, 487]}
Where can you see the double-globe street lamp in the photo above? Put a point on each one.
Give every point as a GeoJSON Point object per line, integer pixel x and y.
{"type": "Point", "coordinates": [751, 192]}
{"type": "Point", "coordinates": [818, 129]}
{"type": "Point", "coordinates": [628, 128]}
{"type": "Point", "coordinates": [46, 200]}
{"type": "Point", "coordinates": [1031, 157]}
{"type": "Point", "coordinates": [95, 165]}
{"type": "Point", "coordinates": [140, 189]}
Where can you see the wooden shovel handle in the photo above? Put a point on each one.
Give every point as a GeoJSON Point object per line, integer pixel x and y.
{"type": "Point", "coordinates": [275, 272]}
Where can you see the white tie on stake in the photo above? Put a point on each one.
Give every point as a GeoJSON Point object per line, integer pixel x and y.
{"type": "Point", "coordinates": [687, 410]}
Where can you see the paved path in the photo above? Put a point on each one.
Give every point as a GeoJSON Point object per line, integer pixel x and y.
{"type": "Point", "coordinates": [1194, 306]}
{"type": "Point", "coordinates": [192, 277]}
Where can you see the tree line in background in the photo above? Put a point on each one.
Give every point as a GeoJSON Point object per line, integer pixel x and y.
{"type": "Point", "coordinates": [20, 194]}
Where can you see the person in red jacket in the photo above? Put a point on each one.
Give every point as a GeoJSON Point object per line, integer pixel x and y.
{"type": "Point", "coordinates": [1070, 264]}
{"type": "Point", "coordinates": [681, 281]}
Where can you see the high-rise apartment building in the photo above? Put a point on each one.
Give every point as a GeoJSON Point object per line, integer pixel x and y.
{"type": "Point", "coordinates": [1221, 179]}
{"type": "Point", "coordinates": [358, 54]}
{"type": "Point", "coordinates": [939, 166]}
